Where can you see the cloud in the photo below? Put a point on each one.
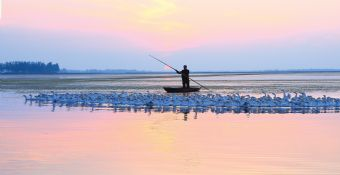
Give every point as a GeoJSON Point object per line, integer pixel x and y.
{"type": "Point", "coordinates": [169, 26]}
{"type": "Point", "coordinates": [0, 9]}
{"type": "Point", "coordinates": [158, 14]}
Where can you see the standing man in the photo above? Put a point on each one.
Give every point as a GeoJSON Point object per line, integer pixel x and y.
{"type": "Point", "coordinates": [185, 76]}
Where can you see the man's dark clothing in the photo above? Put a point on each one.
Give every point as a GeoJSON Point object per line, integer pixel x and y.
{"type": "Point", "coordinates": [185, 78]}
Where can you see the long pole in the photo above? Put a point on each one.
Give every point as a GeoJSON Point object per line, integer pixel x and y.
{"type": "Point", "coordinates": [178, 71]}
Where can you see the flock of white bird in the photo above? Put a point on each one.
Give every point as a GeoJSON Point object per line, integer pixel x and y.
{"type": "Point", "coordinates": [297, 100]}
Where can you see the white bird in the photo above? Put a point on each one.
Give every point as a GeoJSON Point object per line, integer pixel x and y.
{"type": "Point", "coordinates": [209, 101]}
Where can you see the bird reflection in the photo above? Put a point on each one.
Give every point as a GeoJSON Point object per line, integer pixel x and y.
{"type": "Point", "coordinates": [195, 110]}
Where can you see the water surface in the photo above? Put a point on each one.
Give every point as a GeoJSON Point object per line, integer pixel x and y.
{"type": "Point", "coordinates": [34, 140]}
{"type": "Point", "coordinates": [316, 83]}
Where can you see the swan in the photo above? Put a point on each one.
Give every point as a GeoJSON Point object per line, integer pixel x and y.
{"type": "Point", "coordinates": [173, 100]}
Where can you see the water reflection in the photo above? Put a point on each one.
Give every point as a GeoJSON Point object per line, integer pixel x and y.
{"type": "Point", "coordinates": [186, 110]}
{"type": "Point", "coordinates": [127, 140]}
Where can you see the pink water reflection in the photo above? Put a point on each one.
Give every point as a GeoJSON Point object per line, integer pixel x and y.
{"type": "Point", "coordinates": [104, 142]}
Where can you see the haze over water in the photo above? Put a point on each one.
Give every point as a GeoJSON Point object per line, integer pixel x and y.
{"type": "Point", "coordinates": [35, 140]}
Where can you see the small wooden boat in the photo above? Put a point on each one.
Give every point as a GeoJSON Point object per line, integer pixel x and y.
{"type": "Point", "coordinates": [181, 90]}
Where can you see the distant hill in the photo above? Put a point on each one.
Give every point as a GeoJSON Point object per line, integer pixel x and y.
{"type": "Point", "coordinates": [25, 67]}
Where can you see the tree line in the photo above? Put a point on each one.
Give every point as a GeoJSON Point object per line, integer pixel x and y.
{"type": "Point", "coordinates": [26, 67]}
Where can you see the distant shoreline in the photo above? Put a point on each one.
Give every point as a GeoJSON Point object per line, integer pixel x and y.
{"type": "Point", "coordinates": [171, 72]}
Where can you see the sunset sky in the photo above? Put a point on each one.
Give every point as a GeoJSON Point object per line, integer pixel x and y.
{"type": "Point", "coordinates": [206, 35]}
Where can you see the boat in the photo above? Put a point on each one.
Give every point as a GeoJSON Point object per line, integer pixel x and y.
{"type": "Point", "coordinates": [181, 90]}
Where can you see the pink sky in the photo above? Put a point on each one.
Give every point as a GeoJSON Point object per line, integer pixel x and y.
{"type": "Point", "coordinates": [172, 26]}
{"type": "Point", "coordinates": [163, 25]}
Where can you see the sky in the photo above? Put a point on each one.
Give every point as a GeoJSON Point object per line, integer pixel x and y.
{"type": "Point", "coordinates": [216, 35]}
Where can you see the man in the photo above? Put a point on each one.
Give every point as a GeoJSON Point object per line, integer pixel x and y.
{"type": "Point", "coordinates": [185, 76]}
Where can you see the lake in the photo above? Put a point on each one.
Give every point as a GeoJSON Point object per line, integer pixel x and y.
{"type": "Point", "coordinates": [35, 139]}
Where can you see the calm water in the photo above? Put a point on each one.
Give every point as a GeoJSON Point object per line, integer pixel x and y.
{"type": "Point", "coordinates": [34, 140]}
{"type": "Point", "coordinates": [317, 83]}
